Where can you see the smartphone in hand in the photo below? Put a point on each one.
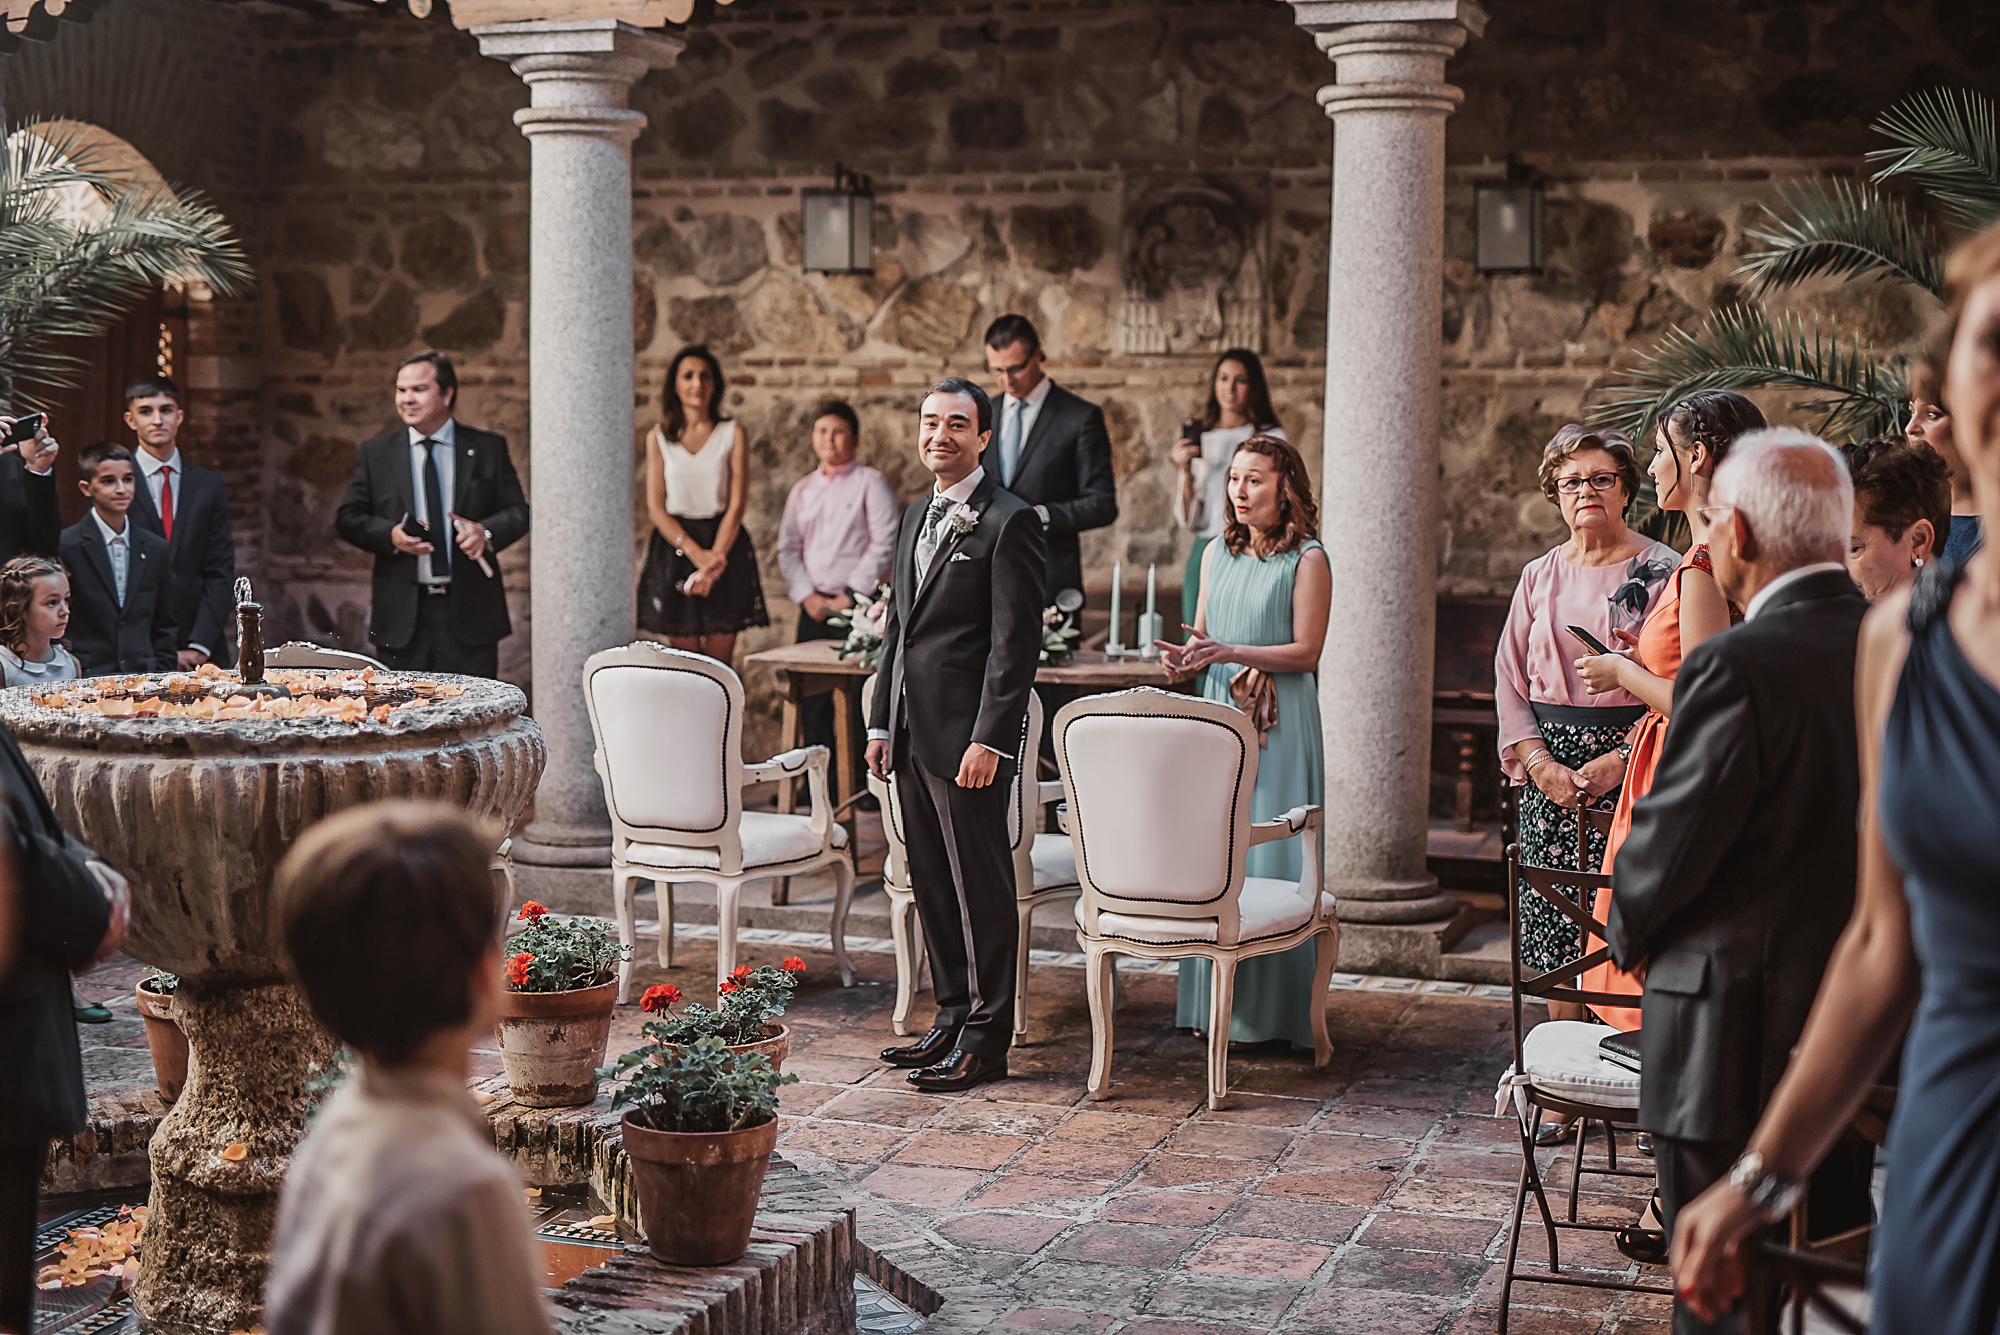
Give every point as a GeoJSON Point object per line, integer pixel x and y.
{"type": "Point", "coordinates": [1590, 641]}
{"type": "Point", "coordinates": [24, 428]}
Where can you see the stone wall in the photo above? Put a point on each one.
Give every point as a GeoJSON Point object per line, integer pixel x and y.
{"type": "Point", "coordinates": [1147, 180]}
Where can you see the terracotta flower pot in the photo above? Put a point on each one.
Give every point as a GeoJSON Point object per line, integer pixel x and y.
{"type": "Point", "coordinates": [164, 1038]}
{"type": "Point", "coordinates": [698, 1190]}
{"type": "Point", "coordinates": [551, 1043]}
{"type": "Point", "coordinates": [774, 1047]}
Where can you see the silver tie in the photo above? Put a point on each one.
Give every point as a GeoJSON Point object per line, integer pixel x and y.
{"type": "Point", "coordinates": [932, 536]}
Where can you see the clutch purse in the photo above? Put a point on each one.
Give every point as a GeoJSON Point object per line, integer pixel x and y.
{"type": "Point", "coordinates": [1621, 1049]}
{"type": "Point", "coordinates": [1256, 694]}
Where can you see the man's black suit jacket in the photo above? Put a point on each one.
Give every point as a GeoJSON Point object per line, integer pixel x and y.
{"type": "Point", "coordinates": [1738, 875]}
{"type": "Point", "coordinates": [960, 652]}
{"type": "Point", "coordinates": [138, 637]}
{"type": "Point", "coordinates": [30, 519]}
{"type": "Point", "coordinates": [201, 558]}
{"type": "Point", "coordinates": [484, 490]}
{"type": "Point", "coordinates": [63, 915]}
{"type": "Point", "coordinates": [1066, 468]}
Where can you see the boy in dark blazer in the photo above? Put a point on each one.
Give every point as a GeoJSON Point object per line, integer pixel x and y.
{"type": "Point", "coordinates": [121, 617]}
{"type": "Point", "coordinates": [436, 501]}
{"type": "Point", "coordinates": [188, 506]}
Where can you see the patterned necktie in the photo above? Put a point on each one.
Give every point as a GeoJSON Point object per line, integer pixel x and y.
{"type": "Point", "coordinates": [1011, 410]}
{"type": "Point", "coordinates": [120, 556]}
{"type": "Point", "coordinates": [167, 500]}
{"type": "Point", "coordinates": [440, 524]}
{"type": "Point", "coordinates": [932, 534]}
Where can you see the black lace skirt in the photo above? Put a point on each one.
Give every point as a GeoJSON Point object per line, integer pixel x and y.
{"type": "Point", "coordinates": [735, 604]}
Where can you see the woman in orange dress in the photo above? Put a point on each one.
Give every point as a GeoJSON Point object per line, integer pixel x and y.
{"type": "Point", "coordinates": [1693, 437]}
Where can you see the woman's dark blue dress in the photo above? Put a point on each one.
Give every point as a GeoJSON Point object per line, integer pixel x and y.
{"type": "Point", "coordinates": [1938, 1269]}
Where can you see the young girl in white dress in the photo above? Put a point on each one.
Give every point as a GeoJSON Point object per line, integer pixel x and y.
{"type": "Point", "coordinates": [34, 615]}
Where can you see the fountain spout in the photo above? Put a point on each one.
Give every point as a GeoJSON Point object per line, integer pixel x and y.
{"type": "Point", "coordinates": [250, 643]}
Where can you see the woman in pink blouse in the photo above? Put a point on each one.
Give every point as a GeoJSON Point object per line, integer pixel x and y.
{"type": "Point", "coordinates": [1558, 742]}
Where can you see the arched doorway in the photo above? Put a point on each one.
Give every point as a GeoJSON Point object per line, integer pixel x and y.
{"type": "Point", "coordinates": [150, 340]}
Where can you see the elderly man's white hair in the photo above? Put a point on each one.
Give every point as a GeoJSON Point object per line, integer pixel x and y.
{"type": "Point", "coordinates": [1793, 490]}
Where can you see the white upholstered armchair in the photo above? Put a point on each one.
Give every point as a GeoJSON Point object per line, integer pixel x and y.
{"type": "Point", "coordinates": [1159, 791]}
{"type": "Point", "coordinates": [1044, 869]}
{"type": "Point", "coordinates": [669, 728]}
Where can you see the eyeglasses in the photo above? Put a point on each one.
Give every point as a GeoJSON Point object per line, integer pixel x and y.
{"type": "Point", "coordinates": [1709, 512]}
{"type": "Point", "coordinates": [1571, 486]}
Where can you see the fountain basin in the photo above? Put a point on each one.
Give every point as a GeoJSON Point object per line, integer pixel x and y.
{"type": "Point", "coordinates": [198, 813]}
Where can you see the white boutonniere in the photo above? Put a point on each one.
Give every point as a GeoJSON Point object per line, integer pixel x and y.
{"type": "Point", "coordinates": [963, 519]}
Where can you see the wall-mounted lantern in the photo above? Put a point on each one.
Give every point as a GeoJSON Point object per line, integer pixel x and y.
{"type": "Point", "coordinates": [839, 225]}
{"type": "Point", "coordinates": [1508, 215]}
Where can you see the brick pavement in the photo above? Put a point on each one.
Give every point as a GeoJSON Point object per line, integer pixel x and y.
{"type": "Point", "coordinates": [1367, 1197]}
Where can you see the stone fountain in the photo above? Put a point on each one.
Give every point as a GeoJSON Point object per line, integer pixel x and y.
{"type": "Point", "coordinates": [197, 813]}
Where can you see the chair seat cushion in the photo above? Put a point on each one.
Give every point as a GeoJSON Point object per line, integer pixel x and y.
{"type": "Point", "coordinates": [1055, 861]}
{"type": "Point", "coordinates": [1267, 908]}
{"type": "Point", "coordinates": [768, 840]}
{"type": "Point", "coordinates": [1562, 1058]}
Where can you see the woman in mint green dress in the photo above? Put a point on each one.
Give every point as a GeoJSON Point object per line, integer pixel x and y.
{"type": "Point", "coordinates": [1265, 590]}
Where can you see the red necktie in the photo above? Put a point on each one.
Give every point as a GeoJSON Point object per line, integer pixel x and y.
{"type": "Point", "coordinates": [167, 501]}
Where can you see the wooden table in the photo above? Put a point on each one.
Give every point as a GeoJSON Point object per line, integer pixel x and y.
{"type": "Point", "coordinates": [806, 669]}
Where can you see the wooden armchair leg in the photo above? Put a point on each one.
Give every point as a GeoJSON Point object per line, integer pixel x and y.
{"type": "Point", "coordinates": [1221, 1002]}
{"type": "Point", "coordinates": [1025, 908]}
{"type": "Point", "coordinates": [1328, 952]}
{"type": "Point", "coordinates": [909, 939]}
{"type": "Point", "coordinates": [621, 911]}
{"type": "Point", "coordinates": [1097, 970]}
{"type": "Point", "coordinates": [726, 895]}
{"type": "Point", "coordinates": [843, 898]}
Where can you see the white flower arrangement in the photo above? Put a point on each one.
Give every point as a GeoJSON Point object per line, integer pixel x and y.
{"type": "Point", "coordinates": [864, 624]}
{"type": "Point", "coordinates": [964, 519]}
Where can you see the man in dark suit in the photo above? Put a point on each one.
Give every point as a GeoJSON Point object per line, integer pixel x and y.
{"type": "Point", "coordinates": [1050, 448]}
{"type": "Point", "coordinates": [964, 633]}
{"type": "Point", "coordinates": [121, 618]}
{"type": "Point", "coordinates": [436, 502]}
{"type": "Point", "coordinates": [188, 506]}
{"type": "Point", "coordinates": [1739, 872]}
{"type": "Point", "coordinates": [30, 518]}
{"type": "Point", "coordinates": [71, 910]}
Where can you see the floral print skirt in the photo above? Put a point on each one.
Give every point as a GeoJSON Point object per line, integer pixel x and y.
{"type": "Point", "coordinates": [1547, 835]}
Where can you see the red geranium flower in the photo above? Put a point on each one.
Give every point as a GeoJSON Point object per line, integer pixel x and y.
{"type": "Point", "coordinates": [517, 969]}
{"type": "Point", "coordinates": [532, 912]}
{"type": "Point", "coordinates": [660, 996]}
{"type": "Point", "coordinates": [740, 972]}
{"type": "Point", "coordinates": [725, 989]}
{"type": "Point", "coordinates": [793, 964]}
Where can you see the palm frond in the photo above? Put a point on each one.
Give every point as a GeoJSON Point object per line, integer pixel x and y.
{"type": "Point", "coordinates": [1744, 347]}
{"type": "Point", "coordinates": [1946, 139]}
{"type": "Point", "coordinates": [1849, 231]}
{"type": "Point", "coordinates": [62, 276]}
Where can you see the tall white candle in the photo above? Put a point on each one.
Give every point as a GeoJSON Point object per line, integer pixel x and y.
{"type": "Point", "coordinates": [1116, 584]}
{"type": "Point", "coordinates": [1152, 582]}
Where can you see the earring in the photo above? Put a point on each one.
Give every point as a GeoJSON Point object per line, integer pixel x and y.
{"type": "Point", "coordinates": [1918, 563]}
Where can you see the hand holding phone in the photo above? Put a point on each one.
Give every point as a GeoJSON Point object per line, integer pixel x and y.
{"type": "Point", "coordinates": [25, 428]}
{"type": "Point", "coordinates": [1590, 641]}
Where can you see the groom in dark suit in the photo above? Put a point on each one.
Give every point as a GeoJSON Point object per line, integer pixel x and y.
{"type": "Point", "coordinates": [959, 650]}
{"type": "Point", "coordinates": [436, 502]}
{"type": "Point", "coordinates": [1738, 875]}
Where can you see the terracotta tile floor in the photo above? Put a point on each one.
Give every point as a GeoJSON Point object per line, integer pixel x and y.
{"type": "Point", "coordinates": [1368, 1197]}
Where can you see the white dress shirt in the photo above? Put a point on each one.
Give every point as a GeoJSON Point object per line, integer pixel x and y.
{"type": "Point", "coordinates": [447, 435]}
{"type": "Point", "coordinates": [120, 547]}
{"type": "Point", "coordinates": [153, 470]}
{"type": "Point", "coordinates": [1763, 598]}
{"type": "Point", "coordinates": [1028, 409]}
{"type": "Point", "coordinates": [956, 493]}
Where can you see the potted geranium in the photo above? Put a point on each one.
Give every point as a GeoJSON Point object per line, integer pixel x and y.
{"type": "Point", "coordinates": [699, 1133]}
{"type": "Point", "coordinates": [744, 1016]}
{"type": "Point", "coordinates": [155, 1000]}
{"type": "Point", "coordinates": [555, 1012]}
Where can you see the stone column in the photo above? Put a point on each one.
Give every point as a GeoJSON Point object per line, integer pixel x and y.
{"type": "Point", "coordinates": [580, 389]}
{"type": "Point", "coordinates": [1380, 480]}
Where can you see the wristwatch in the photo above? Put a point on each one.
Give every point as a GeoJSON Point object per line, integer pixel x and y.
{"type": "Point", "coordinates": [1773, 1197]}
{"type": "Point", "coordinates": [1624, 750]}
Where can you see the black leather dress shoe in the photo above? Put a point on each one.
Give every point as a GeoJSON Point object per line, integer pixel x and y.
{"type": "Point", "coordinates": [926, 1051]}
{"type": "Point", "coordinates": [961, 1070]}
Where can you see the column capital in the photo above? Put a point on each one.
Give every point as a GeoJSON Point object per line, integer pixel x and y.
{"type": "Point", "coordinates": [1389, 55]}
{"type": "Point", "coordinates": [578, 72]}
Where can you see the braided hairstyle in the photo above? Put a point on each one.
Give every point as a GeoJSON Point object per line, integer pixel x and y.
{"type": "Point", "coordinates": [17, 593]}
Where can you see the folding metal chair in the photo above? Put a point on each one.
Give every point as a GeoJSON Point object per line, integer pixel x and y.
{"type": "Point", "coordinates": [1557, 1071]}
